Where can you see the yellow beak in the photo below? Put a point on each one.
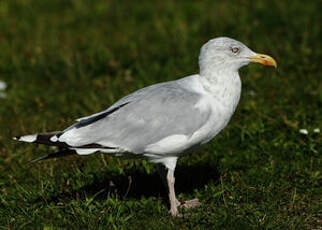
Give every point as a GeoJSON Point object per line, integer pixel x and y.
{"type": "Point", "coordinates": [263, 59]}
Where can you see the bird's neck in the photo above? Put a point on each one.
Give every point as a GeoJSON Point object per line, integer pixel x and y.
{"type": "Point", "coordinates": [223, 84]}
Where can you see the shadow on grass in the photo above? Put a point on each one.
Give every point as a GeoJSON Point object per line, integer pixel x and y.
{"type": "Point", "coordinates": [135, 184]}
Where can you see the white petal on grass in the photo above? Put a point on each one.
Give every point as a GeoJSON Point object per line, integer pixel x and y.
{"type": "Point", "coordinates": [304, 131]}
{"type": "Point", "coordinates": [317, 130]}
{"type": "Point", "coordinates": [3, 95]}
{"type": "Point", "coordinates": [251, 93]}
{"type": "Point", "coordinates": [3, 85]}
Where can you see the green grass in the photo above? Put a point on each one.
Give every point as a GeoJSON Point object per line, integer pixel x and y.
{"type": "Point", "coordinates": [65, 59]}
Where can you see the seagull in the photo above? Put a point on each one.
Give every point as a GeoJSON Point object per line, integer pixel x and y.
{"type": "Point", "coordinates": [164, 121]}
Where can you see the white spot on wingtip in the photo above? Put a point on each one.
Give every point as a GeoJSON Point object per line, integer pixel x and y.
{"type": "Point", "coordinates": [28, 138]}
{"type": "Point", "coordinates": [85, 151]}
{"type": "Point", "coordinates": [317, 130]}
{"type": "Point", "coordinates": [53, 139]}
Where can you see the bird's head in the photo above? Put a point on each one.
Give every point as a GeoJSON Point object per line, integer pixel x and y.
{"type": "Point", "coordinates": [227, 53]}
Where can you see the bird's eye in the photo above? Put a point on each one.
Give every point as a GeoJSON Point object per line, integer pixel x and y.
{"type": "Point", "coordinates": [235, 50]}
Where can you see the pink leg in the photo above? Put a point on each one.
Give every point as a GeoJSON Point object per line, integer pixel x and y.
{"type": "Point", "coordinates": [172, 194]}
{"type": "Point", "coordinates": [170, 164]}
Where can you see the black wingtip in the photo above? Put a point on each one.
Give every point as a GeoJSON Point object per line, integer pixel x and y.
{"type": "Point", "coordinates": [38, 159]}
{"type": "Point", "coordinates": [63, 152]}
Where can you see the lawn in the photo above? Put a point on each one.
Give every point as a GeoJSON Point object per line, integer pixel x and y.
{"type": "Point", "coordinates": [65, 59]}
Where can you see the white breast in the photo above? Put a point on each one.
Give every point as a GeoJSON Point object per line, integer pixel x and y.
{"type": "Point", "coordinates": [222, 104]}
{"type": "Point", "coordinates": [222, 98]}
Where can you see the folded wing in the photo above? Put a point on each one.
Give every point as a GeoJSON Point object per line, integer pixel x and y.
{"type": "Point", "coordinates": [140, 119]}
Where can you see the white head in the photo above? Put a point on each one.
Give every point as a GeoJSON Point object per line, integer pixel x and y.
{"type": "Point", "coordinates": [224, 53]}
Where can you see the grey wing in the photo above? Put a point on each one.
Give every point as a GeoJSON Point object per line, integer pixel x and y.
{"type": "Point", "coordinates": [129, 98]}
{"type": "Point", "coordinates": [143, 118]}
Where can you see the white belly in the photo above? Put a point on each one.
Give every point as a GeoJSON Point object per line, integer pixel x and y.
{"type": "Point", "coordinates": [176, 145]}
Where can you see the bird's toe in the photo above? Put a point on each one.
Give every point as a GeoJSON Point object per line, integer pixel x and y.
{"type": "Point", "coordinates": [190, 203]}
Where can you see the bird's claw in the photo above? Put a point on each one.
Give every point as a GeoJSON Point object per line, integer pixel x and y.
{"type": "Point", "coordinates": [186, 205]}
{"type": "Point", "coordinates": [190, 203]}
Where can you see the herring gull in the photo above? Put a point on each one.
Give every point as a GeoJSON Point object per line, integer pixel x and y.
{"type": "Point", "coordinates": [163, 121]}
